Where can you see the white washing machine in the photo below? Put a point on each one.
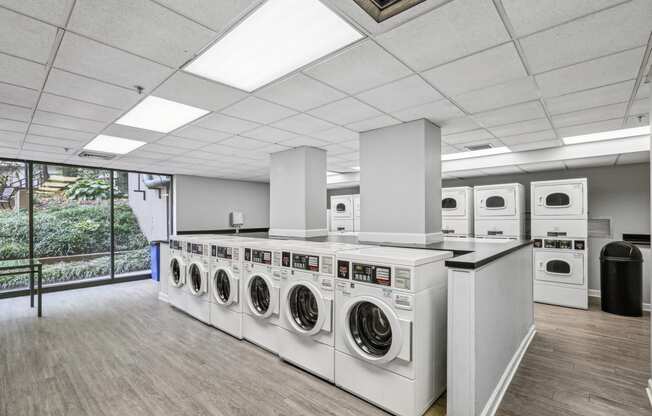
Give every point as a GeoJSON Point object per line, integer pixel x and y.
{"type": "Point", "coordinates": [390, 327]}
{"type": "Point", "coordinates": [559, 208]}
{"type": "Point", "coordinates": [499, 211]}
{"type": "Point", "coordinates": [342, 213]}
{"type": "Point", "coordinates": [177, 273]}
{"type": "Point", "coordinates": [265, 263]}
{"type": "Point", "coordinates": [561, 272]}
{"type": "Point", "coordinates": [457, 211]}
{"type": "Point", "coordinates": [307, 301]}
{"type": "Point", "coordinates": [197, 278]}
{"type": "Point", "coordinates": [356, 213]}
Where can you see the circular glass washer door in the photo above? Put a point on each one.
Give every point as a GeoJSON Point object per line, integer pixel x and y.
{"type": "Point", "coordinates": [305, 308]}
{"type": "Point", "coordinates": [196, 280]}
{"type": "Point", "coordinates": [260, 293]}
{"type": "Point", "coordinates": [176, 272]}
{"type": "Point", "coordinates": [225, 287]}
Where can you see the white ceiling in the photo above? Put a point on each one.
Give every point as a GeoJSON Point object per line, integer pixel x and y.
{"type": "Point", "coordinates": [519, 73]}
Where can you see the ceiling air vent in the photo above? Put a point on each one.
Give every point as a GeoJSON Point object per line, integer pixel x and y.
{"type": "Point", "coordinates": [384, 9]}
{"type": "Point", "coordinates": [85, 154]}
{"type": "Point", "coordinates": [478, 147]}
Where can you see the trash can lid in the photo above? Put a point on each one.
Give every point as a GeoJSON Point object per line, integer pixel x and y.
{"type": "Point", "coordinates": [621, 251]}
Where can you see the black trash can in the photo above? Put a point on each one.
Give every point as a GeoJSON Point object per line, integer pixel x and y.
{"type": "Point", "coordinates": [621, 279]}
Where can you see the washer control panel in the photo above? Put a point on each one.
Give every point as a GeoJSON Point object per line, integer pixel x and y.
{"type": "Point", "coordinates": [560, 244]}
{"type": "Point", "coordinates": [307, 262]}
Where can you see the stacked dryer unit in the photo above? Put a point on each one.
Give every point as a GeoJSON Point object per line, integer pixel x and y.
{"type": "Point", "coordinates": [390, 326]}
{"type": "Point", "coordinates": [560, 231]}
{"type": "Point", "coordinates": [342, 213]}
{"type": "Point", "coordinates": [457, 212]}
{"type": "Point", "coordinates": [499, 211]}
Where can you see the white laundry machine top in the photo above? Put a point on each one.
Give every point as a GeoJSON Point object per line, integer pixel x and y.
{"type": "Point", "coordinates": [499, 201]}
{"type": "Point", "coordinates": [395, 255]}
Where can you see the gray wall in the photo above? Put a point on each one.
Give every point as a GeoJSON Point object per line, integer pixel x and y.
{"type": "Point", "coordinates": [202, 204]}
{"type": "Point", "coordinates": [151, 211]}
{"type": "Point", "coordinates": [621, 193]}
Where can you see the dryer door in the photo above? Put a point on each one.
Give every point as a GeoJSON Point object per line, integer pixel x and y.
{"type": "Point", "coordinates": [262, 296]}
{"type": "Point", "coordinates": [495, 202]}
{"type": "Point", "coordinates": [306, 309]}
{"type": "Point", "coordinates": [453, 203]}
{"type": "Point", "coordinates": [197, 279]}
{"type": "Point", "coordinates": [225, 287]}
{"type": "Point", "coordinates": [373, 331]}
{"type": "Point", "coordinates": [559, 267]}
{"type": "Point", "coordinates": [177, 272]}
{"type": "Point", "coordinates": [563, 199]}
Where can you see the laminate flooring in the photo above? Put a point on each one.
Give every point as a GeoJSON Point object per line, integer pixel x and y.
{"type": "Point", "coordinates": [118, 350]}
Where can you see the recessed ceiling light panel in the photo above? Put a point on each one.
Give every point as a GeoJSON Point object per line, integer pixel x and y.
{"type": "Point", "coordinates": [112, 144]}
{"type": "Point", "coordinates": [276, 39]}
{"type": "Point", "coordinates": [476, 153]}
{"type": "Point", "coordinates": [159, 114]}
{"type": "Point", "coordinates": [607, 135]}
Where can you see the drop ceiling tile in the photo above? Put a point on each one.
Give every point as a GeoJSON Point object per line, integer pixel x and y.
{"type": "Point", "coordinates": [337, 149]}
{"type": "Point", "coordinates": [469, 136]}
{"type": "Point", "coordinates": [163, 149]}
{"type": "Point", "coordinates": [52, 11]}
{"type": "Point", "coordinates": [10, 139]}
{"type": "Point", "coordinates": [529, 17]}
{"type": "Point", "coordinates": [303, 141]}
{"type": "Point", "coordinates": [401, 94]}
{"type": "Point", "coordinates": [501, 95]}
{"type": "Point", "coordinates": [519, 112]}
{"type": "Point", "coordinates": [596, 73]}
{"type": "Point", "coordinates": [75, 108]}
{"type": "Point", "coordinates": [586, 38]}
{"type": "Point", "coordinates": [300, 93]}
{"type": "Point", "coordinates": [348, 110]}
{"type": "Point", "coordinates": [591, 162]}
{"type": "Point", "coordinates": [373, 123]}
{"type": "Point", "coordinates": [456, 29]}
{"type": "Point", "coordinates": [643, 90]}
{"type": "Point", "coordinates": [86, 57]}
{"type": "Point", "coordinates": [610, 94]}
{"type": "Point", "coordinates": [54, 142]}
{"type": "Point", "coordinates": [522, 127]}
{"type": "Point", "coordinates": [21, 72]}
{"type": "Point", "coordinates": [360, 67]}
{"type": "Point", "coordinates": [25, 37]}
{"type": "Point", "coordinates": [536, 136]}
{"type": "Point", "coordinates": [245, 143]}
{"type": "Point", "coordinates": [458, 125]}
{"type": "Point", "coordinates": [141, 27]}
{"type": "Point", "coordinates": [134, 133]}
{"type": "Point", "coordinates": [11, 94]}
{"type": "Point", "coordinates": [206, 12]}
{"type": "Point", "coordinates": [223, 151]}
{"type": "Point", "coordinates": [13, 112]}
{"type": "Point", "coordinates": [302, 124]}
{"type": "Point", "coordinates": [225, 123]}
{"type": "Point", "coordinates": [638, 121]}
{"type": "Point", "coordinates": [86, 89]}
{"type": "Point", "coordinates": [499, 65]}
{"type": "Point", "coordinates": [255, 109]}
{"type": "Point", "coordinates": [269, 134]}
{"type": "Point", "coordinates": [12, 126]}
{"type": "Point", "coordinates": [60, 133]}
{"type": "Point", "coordinates": [634, 157]}
{"type": "Point", "coordinates": [198, 133]}
{"type": "Point", "coordinates": [198, 92]}
{"type": "Point", "coordinates": [179, 142]}
{"type": "Point", "coordinates": [588, 128]}
{"type": "Point", "coordinates": [437, 112]}
{"type": "Point", "coordinates": [67, 122]}
{"type": "Point", "coordinates": [34, 147]}
{"type": "Point", "coordinates": [543, 166]}
{"type": "Point", "coordinates": [590, 115]}
{"type": "Point", "coordinates": [642, 106]}
{"type": "Point", "coordinates": [148, 154]}
{"type": "Point", "coordinates": [544, 144]}
{"type": "Point", "coordinates": [336, 135]}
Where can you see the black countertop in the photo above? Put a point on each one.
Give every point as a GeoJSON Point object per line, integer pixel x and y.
{"type": "Point", "coordinates": [467, 254]}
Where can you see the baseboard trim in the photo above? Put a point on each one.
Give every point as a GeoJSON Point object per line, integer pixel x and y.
{"type": "Point", "coordinates": [407, 238]}
{"type": "Point", "coordinates": [163, 297]}
{"type": "Point", "coordinates": [280, 232]}
{"type": "Point", "coordinates": [595, 293]}
{"type": "Point", "coordinates": [505, 380]}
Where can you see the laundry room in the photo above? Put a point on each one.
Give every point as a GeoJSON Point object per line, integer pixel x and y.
{"type": "Point", "coordinates": [325, 207]}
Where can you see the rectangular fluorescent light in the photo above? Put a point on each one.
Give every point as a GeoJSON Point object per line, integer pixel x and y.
{"type": "Point", "coordinates": [355, 167]}
{"type": "Point", "coordinates": [276, 39]}
{"type": "Point", "coordinates": [607, 135]}
{"type": "Point", "coordinates": [112, 144]}
{"type": "Point", "coordinates": [476, 153]}
{"type": "Point", "coordinates": [161, 115]}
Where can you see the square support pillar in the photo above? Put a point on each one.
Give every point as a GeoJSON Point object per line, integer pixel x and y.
{"type": "Point", "coordinates": [297, 193]}
{"type": "Point", "coordinates": [400, 184]}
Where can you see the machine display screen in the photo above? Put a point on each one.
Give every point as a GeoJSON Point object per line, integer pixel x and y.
{"type": "Point", "coordinates": [189, 247]}
{"type": "Point", "coordinates": [261, 256]}
{"type": "Point", "coordinates": [369, 273]}
{"type": "Point", "coordinates": [343, 269]}
{"type": "Point", "coordinates": [562, 244]}
{"type": "Point", "coordinates": [285, 259]}
{"type": "Point", "coordinates": [305, 262]}
{"type": "Point", "coordinates": [223, 252]}
{"type": "Point", "coordinates": [174, 244]}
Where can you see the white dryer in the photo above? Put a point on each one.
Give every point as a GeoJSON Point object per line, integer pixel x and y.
{"type": "Point", "coordinates": [197, 278]}
{"type": "Point", "coordinates": [342, 213]}
{"type": "Point", "coordinates": [457, 211]}
{"type": "Point", "coordinates": [499, 211]}
{"type": "Point", "coordinates": [390, 327]}
{"type": "Point", "coordinates": [561, 272]}
{"type": "Point", "coordinates": [307, 301]}
{"type": "Point", "coordinates": [177, 273]}
{"type": "Point", "coordinates": [559, 208]}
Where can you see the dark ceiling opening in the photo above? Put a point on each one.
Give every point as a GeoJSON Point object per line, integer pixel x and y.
{"type": "Point", "coordinates": [381, 10]}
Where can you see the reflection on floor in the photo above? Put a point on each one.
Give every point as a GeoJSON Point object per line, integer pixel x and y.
{"type": "Point", "coordinates": [117, 350]}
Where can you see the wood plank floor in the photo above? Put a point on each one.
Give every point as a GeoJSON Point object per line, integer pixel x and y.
{"type": "Point", "coordinates": [114, 350]}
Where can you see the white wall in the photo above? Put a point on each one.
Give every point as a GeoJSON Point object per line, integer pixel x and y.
{"type": "Point", "coordinates": [150, 211]}
{"type": "Point", "coordinates": [204, 204]}
{"type": "Point", "coordinates": [621, 193]}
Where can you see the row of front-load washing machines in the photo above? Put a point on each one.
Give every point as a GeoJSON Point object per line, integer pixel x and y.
{"type": "Point", "coordinates": [370, 319]}
{"type": "Point", "coordinates": [559, 227]}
